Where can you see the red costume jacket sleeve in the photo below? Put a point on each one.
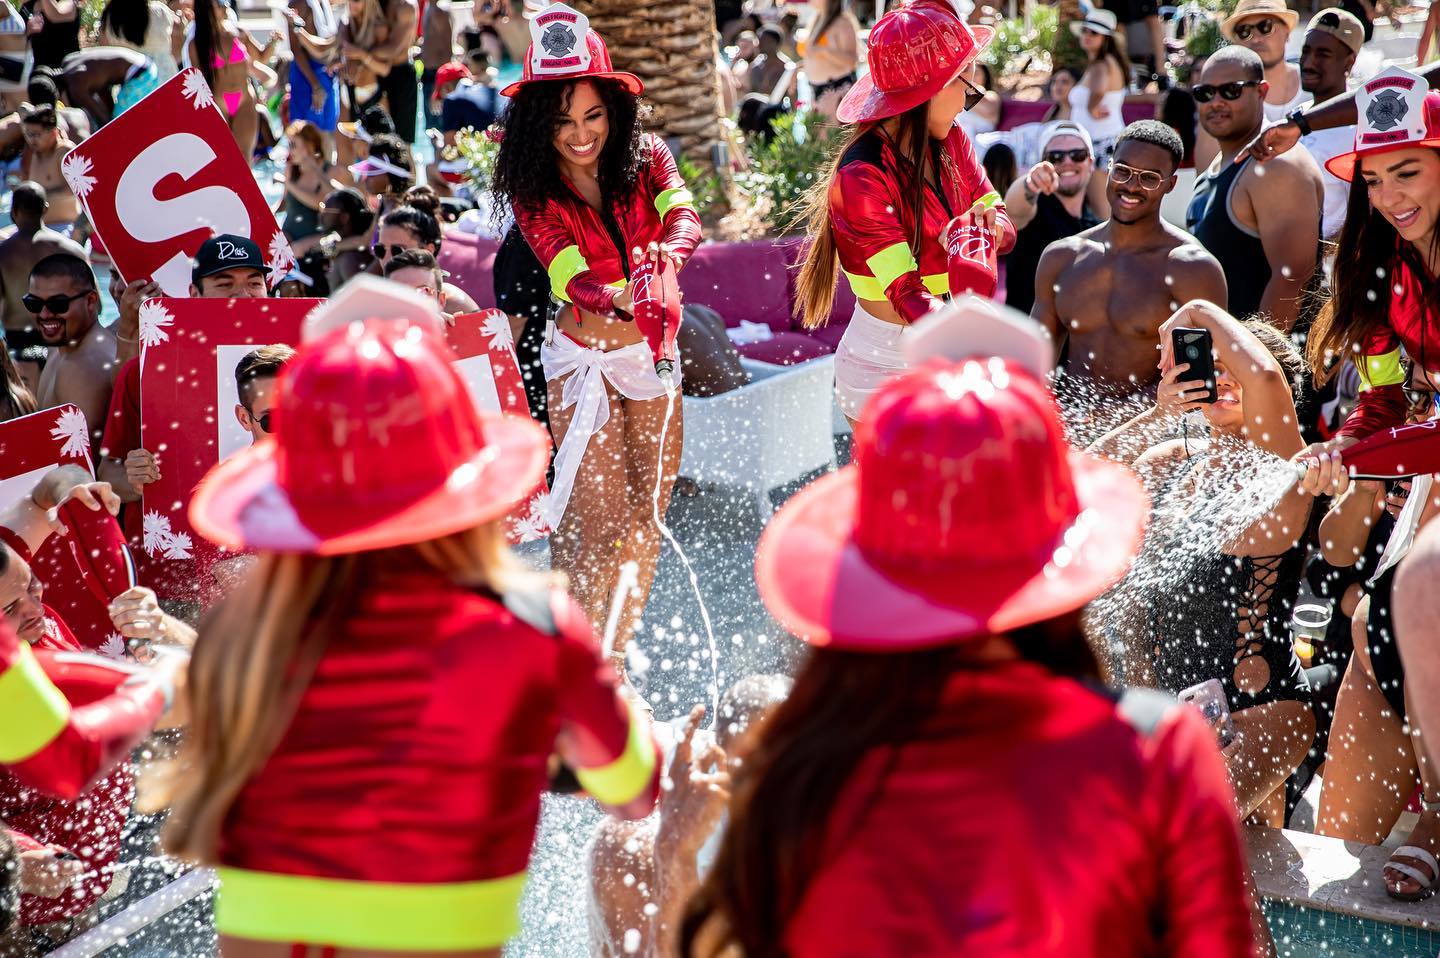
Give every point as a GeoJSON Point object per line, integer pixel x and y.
{"type": "Point", "coordinates": [547, 234]}
{"type": "Point", "coordinates": [1204, 908]}
{"type": "Point", "coordinates": [606, 741]}
{"type": "Point", "coordinates": [49, 745]}
{"type": "Point", "coordinates": [673, 201]}
{"type": "Point", "coordinates": [1381, 403]}
{"type": "Point", "coordinates": [862, 214]}
{"type": "Point", "coordinates": [972, 171]}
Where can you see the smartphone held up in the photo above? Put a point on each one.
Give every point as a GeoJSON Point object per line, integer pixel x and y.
{"type": "Point", "coordinates": [1195, 348]}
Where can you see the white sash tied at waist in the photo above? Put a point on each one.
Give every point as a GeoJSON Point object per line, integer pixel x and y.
{"type": "Point", "coordinates": [630, 369]}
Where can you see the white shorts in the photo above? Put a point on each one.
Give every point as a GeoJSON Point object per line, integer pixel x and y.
{"type": "Point", "coordinates": [867, 357]}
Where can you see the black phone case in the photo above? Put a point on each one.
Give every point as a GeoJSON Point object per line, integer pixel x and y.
{"type": "Point", "coordinates": [1202, 365]}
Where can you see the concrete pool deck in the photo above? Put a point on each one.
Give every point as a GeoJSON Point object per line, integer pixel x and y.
{"type": "Point", "coordinates": [1328, 874]}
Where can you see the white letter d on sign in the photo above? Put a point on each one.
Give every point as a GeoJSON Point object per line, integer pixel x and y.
{"type": "Point", "coordinates": [153, 220]}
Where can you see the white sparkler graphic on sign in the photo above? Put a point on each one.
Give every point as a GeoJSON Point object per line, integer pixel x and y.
{"type": "Point", "coordinates": [197, 89]}
{"type": "Point", "coordinates": [76, 170]}
{"type": "Point", "coordinates": [156, 527]}
{"type": "Point", "coordinates": [281, 258]}
{"type": "Point", "coordinates": [496, 325]}
{"type": "Point", "coordinates": [72, 428]}
{"type": "Point", "coordinates": [153, 320]}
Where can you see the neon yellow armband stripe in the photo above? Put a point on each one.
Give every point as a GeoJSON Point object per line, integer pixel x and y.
{"type": "Point", "coordinates": [567, 264]}
{"type": "Point", "coordinates": [868, 287]}
{"type": "Point", "coordinates": [890, 264]}
{"type": "Point", "coordinates": [375, 916]}
{"type": "Point", "coordinates": [1383, 370]}
{"type": "Point", "coordinates": [625, 778]}
{"type": "Point", "coordinates": [32, 710]}
{"type": "Point", "coordinates": [673, 199]}
{"type": "Point", "coordinates": [990, 200]}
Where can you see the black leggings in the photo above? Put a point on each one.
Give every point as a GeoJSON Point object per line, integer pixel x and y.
{"type": "Point", "coordinates": [402, 98]}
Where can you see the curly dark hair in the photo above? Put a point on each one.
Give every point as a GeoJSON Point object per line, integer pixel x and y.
{"type": "Point", "coordinates": [527, 172]}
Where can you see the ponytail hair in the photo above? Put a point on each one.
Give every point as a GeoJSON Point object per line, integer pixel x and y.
{"type": "Point", "coordinates": [256, 655]}
{"type": "Point", "coordinates": [207, 28]}
{"type": "Point", "coordinates": [815, 284]}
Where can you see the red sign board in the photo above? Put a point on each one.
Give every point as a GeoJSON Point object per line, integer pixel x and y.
{"type": "Point", "coordinates": [188, 397]}
{"type": "Point", "coordinates": [162, 177]}
{"type": "Point", "coordinates": [30, 447]}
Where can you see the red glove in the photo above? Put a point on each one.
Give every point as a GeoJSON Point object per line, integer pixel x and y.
{"type": "Point", "coordinates": [971, 257]}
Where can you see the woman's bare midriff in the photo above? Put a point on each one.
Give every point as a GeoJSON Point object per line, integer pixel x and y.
{"type": "Point", "coordinates": [882, 310]}
{"type": "Point", "coordinates": [247, 948]}
{"type": "Point", "coordinates": [597, 332]}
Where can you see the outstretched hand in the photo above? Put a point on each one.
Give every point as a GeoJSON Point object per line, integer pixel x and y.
{"type": "Point", "coordinates": [697, 788]}
{"type": "Point", "coordinates": [1270, 143]}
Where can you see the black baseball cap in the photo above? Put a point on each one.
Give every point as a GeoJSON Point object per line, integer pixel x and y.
{"type": "Point", "coordinates": [226, 251]}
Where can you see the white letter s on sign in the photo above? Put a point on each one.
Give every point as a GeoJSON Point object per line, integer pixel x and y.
{"type": "Point", "coordinates": [153, 220]}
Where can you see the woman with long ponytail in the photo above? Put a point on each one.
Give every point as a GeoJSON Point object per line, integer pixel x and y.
{"type": "Point", "coordinates": [374, 710]}
{"type": "Point", "coordinates": [905, 175]}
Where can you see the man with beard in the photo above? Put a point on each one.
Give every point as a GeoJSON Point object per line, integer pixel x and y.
{"type": "Point", "coordinates": [81, 367]}
{"type": "Point", "coordinates": [1046, 205]}
{"type": "Point", "coordinates": [1263, 227]}
{"type": "Point", "coordinates": [1098, 292]}
{"type": "Point", "coordinates": [1332, 40]}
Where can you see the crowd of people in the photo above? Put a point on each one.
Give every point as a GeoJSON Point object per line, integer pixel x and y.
{"type": "Point", "coordinates": [1051, 603]}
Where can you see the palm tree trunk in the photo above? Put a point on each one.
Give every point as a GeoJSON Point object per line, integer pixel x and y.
{"type": "Point", "coordinates": [670, 44]}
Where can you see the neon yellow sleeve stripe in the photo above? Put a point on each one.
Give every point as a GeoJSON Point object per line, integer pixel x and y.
{"type": "Point", "coordinates": [938, 283]}
{"type": "Point", "coordinates": [374, 916]}
{"type": "Point", "coordinates": [625, 778]}
{"type": "Point", "coordinates": [672, 199]}
{"type": "Point", "coordinates": [1383, 370]}
{"type": "Point", "coordinates": [990, 200]}
{"type": "Point", "coordinates": [32, 710]}
{"type": "Point", "coordinates": [890, 264]}
{"type": "Point", "coordinates": [868, 287]}
{"type": "Point", "coordinates": [567, 264]}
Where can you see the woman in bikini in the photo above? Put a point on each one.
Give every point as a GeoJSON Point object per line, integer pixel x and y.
{"type": "Point", "coordinates": [596, 198]}
{"type": "Point", "coordinates": [223, 52]}
{"type": "Point", "coordinates": [1233, 622]}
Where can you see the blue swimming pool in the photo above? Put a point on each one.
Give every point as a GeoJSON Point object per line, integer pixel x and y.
{"type": "Point", "coordinates": [1304, 932]}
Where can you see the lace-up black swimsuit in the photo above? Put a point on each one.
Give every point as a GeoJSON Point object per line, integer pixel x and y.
{"type": "Point", "coordinates": [1231, 624]}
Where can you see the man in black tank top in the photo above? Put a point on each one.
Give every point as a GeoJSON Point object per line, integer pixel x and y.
{"type": "Point", "coordinates": [1264, 228]}
{"type": "Point", "coordinates": [1046, 205]}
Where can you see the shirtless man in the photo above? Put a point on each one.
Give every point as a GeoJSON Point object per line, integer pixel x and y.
{"type": "Point", "coordinates": [1263, 227]}
{"type": "Point", "coordinates": [45, 147]}
{"type": "Point", "coordinates": [81, 367]}
{"type": "Point", "coordinates": [1097, 291]}
{"type": "Point", "coordinates": [91, 77]}
{"type": "Point", "coordinates": [29, 244]}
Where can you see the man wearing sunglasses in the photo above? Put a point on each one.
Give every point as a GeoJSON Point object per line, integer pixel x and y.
{"type": "Point", "coordinates": [1099, 292]}
{"type": "Point", "coordinates": [1047, 204]}
{"type": "Point", "coordinates": [255, 376]}
{"type": "Point", "coordinates": [1264, 26]}
{"type": "Point", "coordinates": [1264, 228]}
{"type": "Point", "coordinates": [65, 304]}
{"type": "Point", "coordinates": [31, 242]}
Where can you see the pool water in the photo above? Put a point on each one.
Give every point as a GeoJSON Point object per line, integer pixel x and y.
{"type": "Point", "coordinates": [1304, 932]}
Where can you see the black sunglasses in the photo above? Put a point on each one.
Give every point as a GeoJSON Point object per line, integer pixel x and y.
{"type": "Point", "coordinates": [972, 96]}
{"type": "Point", "coordinates": [56, 304]}
{"type": "Point", "coordinates": [1055, 157]}
{"type": "Point", "coordinates": [379, 249]}
{"type": "Point", "coordinates": [262, 421]}
{"type": "Point", "coordinates": [1263, 28]}
{"type": "Point", "coordinates": [1204, 93]}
